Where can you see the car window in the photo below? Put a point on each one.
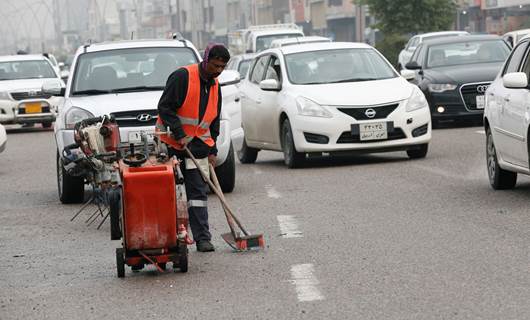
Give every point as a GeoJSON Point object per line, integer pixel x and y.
{"type": "Point", "coordinates": [27, 69]}
{"type": "Point", "coordinates": [126, 69]}
{"type": "Point", "coordinates": [514, 61]}
{"type": "Point", "coordinates": [258, 70]}
{"type": "Point", "coordinates": [264, 42]}
{"type": "Point", "coordinates": [413, 43]}
{"type": "Point", "coordinates": [526, 61]}
{"type": "Point", "coordinates": [243, 68]}
{"type": "Point", "coordinates": [273, 69]}
{"type": "Point", "coordinates": [338, 65]}
{"type": "Point", "coordinates": [416, 55]}
{"type": "Point", "coordinates": [469, 52]}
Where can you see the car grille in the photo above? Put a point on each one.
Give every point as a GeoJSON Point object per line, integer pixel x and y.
{"type": "Point", "coordinates": [347, 137]}
{"type": "Point", "coordinates": [131, 118]}
{"type": "Point", "coordinates": [28, 95]}
{"type": "Point", "coordinates": [469, 93]}
{"type": "Point", "coordinates": [381, 112]}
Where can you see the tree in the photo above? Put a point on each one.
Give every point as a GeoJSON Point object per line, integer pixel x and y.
{"type": "Point", "coordinates": [411, 16]}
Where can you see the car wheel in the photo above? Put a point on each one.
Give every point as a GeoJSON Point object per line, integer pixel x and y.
{"type": "Point", "coordinates": [47, 124]}
{"type": "Point", "coordinates": [71, 189]}
{"type": "Point", "coordinates": [247, 154]}
{"type": "Point", "coordinates": [227, 172]}
{"type": "Point", "coordinates": [291, 157]}
{"type": "Point", "coordinates": [419, 152]}
{"type": "Point", "coordinates": [499, 178]}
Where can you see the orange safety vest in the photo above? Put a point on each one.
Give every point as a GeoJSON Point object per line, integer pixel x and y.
{"type": "Point", "coordinates": [188, 113]}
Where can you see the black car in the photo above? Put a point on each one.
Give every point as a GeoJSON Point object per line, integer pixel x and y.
{"type": "Point", "coordinates": [454, 73]}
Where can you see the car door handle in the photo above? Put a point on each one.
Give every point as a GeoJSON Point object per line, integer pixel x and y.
{"type": "Point", "coordinates": [237, 99]}
{"type": "Point", "coordinates": [507, 99]}
{"type": "Point", "coordinates": [258, 101]}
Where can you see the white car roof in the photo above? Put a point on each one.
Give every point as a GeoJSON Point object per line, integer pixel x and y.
{"type": "Point", "coordinates": [127, 44]}
{"type": "Point", "coordinates": [298, 40]}
{"type": "Point", "coordinates": [518, 32]}
{"type": "Point", "coordinates": [320, 46]}
{"type": "Point", "coordinates": [442, 33]}
{"type": "Point", "coordinates": [22, 57]}
{"type": "Point", "coordinates": [272, 32]}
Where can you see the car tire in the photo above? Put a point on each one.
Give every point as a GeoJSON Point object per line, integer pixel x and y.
{"type": "Point", "coordinates": [247, 154]}
{"type": "Point", "coordinates": [227, 172]}
{"type": "Point", "coordinates": [47, 125]}
{"type": "Point", "coordinates": [419, 152]}
{"type": "Point", "coordinates": [499, 178]}
{"type": "Point", "coordinates": [71, 189]}
{"type": "Point", "coordinates": [291, 157]}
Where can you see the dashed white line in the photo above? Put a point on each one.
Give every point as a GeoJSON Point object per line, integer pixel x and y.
{"type": "Point", "coordinates": [289, 227]}
{"type": "Point", "coordinates": [272, 193]}
{"type": "Point", "coordinates": [306, 284]}
{"type": "Point", "coordinates": [480, 132]}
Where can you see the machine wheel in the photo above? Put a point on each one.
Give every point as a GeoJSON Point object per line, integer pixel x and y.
{"type": "Point", "coordinates": [115, 213]}
{"type": "Point", "coordinates": [71, 189]}
{"type": "Point", "coordinates": [47, 124]}
{"type": "Point", "coordinates": [291, 157]}
{"type": "Point", "coordinates": [419, 153]}
{"type": "Point", "coordinates": [247, 154]}
{"type": "Point", "coordinates": [499, 178]}
{"type": "Point", "coordinates": [120, 262]}
{"type": "Point", "coordinates": [227, 172]}
{"type": "Point", "coordinates": [183, 263]}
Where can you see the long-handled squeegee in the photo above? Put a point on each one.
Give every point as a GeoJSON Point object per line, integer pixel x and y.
{"type": "Point", "coordinates": [233, 238]}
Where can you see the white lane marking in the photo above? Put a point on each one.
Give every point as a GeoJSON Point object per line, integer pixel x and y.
{"type": "Point", "coordinates": [289, 227]}
{"type": "Point", "coordinates": [305, 282]}
{"type": "Point", "coordinates": [256, 170]}
{"type": "Point", "coordinates": [480, 132]}
{"type": "Point", "coordinates": [272, 193]}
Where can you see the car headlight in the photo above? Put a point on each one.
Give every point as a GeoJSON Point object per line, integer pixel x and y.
{"type": "Point", "coordinates": [416, 101]}
{"type": "Point", "coordinates": [441, 87]}
{"type": "Point", "coordinates": [310, 108]}
{"type": "Point", "coordinates": [4, 95]}
{"type": "Point", "coordinates": [75, 115]}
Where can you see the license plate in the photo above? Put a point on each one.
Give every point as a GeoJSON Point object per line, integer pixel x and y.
{"type": "Point", "coordinates": [34, 107]}
{"type": "Point", "coordinates": [373, 131]}
{"type": "Point", "coordinates": [481, 101]}
{"type": "Point", "coordinates": [136, 136]}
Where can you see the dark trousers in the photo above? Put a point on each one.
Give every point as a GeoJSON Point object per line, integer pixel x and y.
{"type": "Point", "coordinates": [197, 194]}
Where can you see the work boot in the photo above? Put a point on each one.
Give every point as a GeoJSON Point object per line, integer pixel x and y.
{"type": "Point", "coordinates": [205, 246]}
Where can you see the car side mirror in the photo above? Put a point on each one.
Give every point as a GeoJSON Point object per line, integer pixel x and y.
{"type": "Point", "coordinates": [229, 77]}
{"type": "Point", "coordinates": [413, 65]}
{"type": "Point", "coordinates": [408, 74]}
{"type": "Point", "coordinates": [270, 85]}
{"type": "Point", "coordinates": [515, 80]}
{"type": "Point", "coordinates": [53, 87]}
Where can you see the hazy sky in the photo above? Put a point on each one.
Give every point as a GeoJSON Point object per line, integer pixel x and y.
{"type": "Point", "coordinates": [23, 18]}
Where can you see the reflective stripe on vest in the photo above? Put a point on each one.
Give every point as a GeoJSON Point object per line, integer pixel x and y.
{"type": "Point", "coordinates": [188, 113]}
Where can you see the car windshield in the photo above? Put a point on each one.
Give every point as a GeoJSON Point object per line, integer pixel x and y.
{"type": "Point", "coordinates": [243, 68]}
{"type": "Point", "coordinates": [334, 66]}
{"type": "Point", "coordinates": [28, 69]}
{"type": "Point", "coordinates": [264, 42]}
{"type": "Point", "coordinates": [126, 70]}
{"type": "Point", "coordinates": [462, 53]}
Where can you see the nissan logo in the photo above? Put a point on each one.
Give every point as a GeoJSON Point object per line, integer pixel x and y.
{"type": "Point", "coordinates": [370, 113]}
{"type": "Point", "coordinates": [482, 88]}
{"type": "Point", "coordinates": [144, 117]}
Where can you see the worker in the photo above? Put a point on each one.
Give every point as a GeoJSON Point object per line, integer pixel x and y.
{"type": "Point", "coordinates": [190, 107]}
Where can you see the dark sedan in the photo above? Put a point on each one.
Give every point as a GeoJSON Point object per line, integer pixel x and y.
{"type": "Point", "coordinates": [455, 72]}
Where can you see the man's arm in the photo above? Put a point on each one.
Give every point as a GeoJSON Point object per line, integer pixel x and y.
{"type": "Point", "coordinates": [172, 98]}
{"type": "Point", "coordinates": [214, 127]}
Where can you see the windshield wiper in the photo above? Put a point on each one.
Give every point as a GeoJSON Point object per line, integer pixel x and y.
{"type": "Point", "coordinates": [354, 80]}
{"type": "Point", "coordinates": [90, 92]}
{"type": "Point", "coordinates": [138, 88]}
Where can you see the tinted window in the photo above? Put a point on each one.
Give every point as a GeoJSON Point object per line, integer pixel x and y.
{"type": "Point", "coordinates": [526, 66]}
{"type": "Point", "coordinates": [29, 69]}
{"type": "Point", "coordinates": [273, 69]}
{"type": "Point", "coordinates": [462, 53]}
{"type": "Point", "coordinates": [259, 68]}
{"type": "Point", "coordinates": [515, 59]}
{"type": "Point", "coordinates": [243, 68]}
{"type": "Point", "coordinates": [334, 66]}
{"type": "Point", "coordinates": [129, 68]}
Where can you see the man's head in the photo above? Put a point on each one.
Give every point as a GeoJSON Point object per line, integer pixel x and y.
{"type": "Point", "coordinates": [216, 57]}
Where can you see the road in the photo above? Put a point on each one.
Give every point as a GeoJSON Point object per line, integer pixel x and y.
{"type": "Point", "coordinates": [374, 237]}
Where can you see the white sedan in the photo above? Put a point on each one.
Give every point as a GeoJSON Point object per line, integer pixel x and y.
{"type": "Point", "coordinates": [330, 98]}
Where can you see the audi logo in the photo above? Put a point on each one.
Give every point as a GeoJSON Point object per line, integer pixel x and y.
{"type": "Point", "coordinates": [482, 88]}
{"type": "Point", "coordinates": [144, 117]}
{"type": "Point", "coordinates": [370, 113]}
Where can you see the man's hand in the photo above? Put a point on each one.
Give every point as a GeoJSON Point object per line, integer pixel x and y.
{"type": "Point", "coordinates": [212, 159]}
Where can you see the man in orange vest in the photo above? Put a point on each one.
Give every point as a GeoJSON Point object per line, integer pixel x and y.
{"type": "Point", "coordinates": [190, 108]}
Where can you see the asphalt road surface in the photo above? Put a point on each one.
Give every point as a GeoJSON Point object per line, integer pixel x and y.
{"type": "Point", "coordinates": [373, 237]}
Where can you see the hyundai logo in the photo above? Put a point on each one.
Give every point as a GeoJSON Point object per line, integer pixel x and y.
{"type": "Point", "coordinates": [482, 88]}
{"type": "Point", "coordinates": [144, 117]}
{"type": "Point", "coordinates": [370, 113]}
